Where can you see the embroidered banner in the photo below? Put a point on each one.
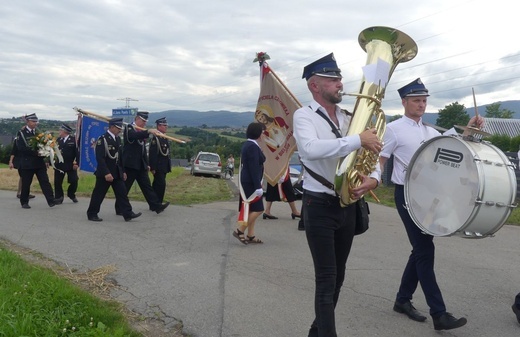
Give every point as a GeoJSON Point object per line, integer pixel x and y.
{"type": "Point", "coordinates": [275, 109]}
{"type": "Point", "coordinates": [91, 130]}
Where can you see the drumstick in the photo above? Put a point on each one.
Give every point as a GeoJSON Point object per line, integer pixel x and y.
{"type": "Point", "coordinates": [374, 196]}
{"type": "Point", "coordinates": [475, 104]}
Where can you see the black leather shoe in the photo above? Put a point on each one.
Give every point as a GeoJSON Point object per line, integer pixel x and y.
{"type": "Point", "coordinates": [268, 216]}
{"type": "Point", "coordinates": [58, 201]}
{"type": "Point", "coordinates": [51, 204]}
{"type": "Point", "coordinates": [74, 200]}
{"type": "Point", "coordinates": [409, 310]}
{"type": "Point", "coordinates": [517, 312]}
{"type": "Point", "coordinates": [119, 213]}
{"type": "Point", "coordinates": [26, 206]}
{"type": "Point", "coordinates": [133, 216]}
{"type": "Point", "coordinates": [447, 322]}
{"type": "Point", "coordinates": [301, 226]}
{"type": "Point", "coordinates": [94, 218]}
{"type": "Point", "coordinates": [293, 216]}
{"type": "Point", "coordinates": [162, 207]}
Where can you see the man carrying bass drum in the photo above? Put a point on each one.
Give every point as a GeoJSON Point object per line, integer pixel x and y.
{"type": "Point", "coordinates": [402, 139]}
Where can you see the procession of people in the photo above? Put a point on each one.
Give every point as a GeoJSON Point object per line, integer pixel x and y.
{"type": "Point", "coordinates": [322, 138]}
{"type": "Point", "coordinates": [34, 151]}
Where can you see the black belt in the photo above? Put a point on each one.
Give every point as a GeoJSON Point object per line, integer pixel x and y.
{"type": "Point", "coordinates": [321, 195]}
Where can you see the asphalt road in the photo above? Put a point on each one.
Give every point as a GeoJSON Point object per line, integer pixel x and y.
{"type": "Point", "coordinates": [184, 265]}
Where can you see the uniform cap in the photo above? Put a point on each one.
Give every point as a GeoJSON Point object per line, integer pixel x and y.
{"type": "Point", "coordinates": [117, 122]}
{"type": "Point", "coordinates": [161, 121]}
{"type": "Point", "coordinates": [415, 88]}
{"type": "Point", "coordinates": [66, 128]}
{"type": "Point", "coordinates": [31, 117]}
{"type": "Point", "coordinates": [143, 115]}
{"type": "Point", "coordinates": [324, 67]}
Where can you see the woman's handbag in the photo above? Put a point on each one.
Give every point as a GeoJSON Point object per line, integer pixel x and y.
{"type": "Point", "coordinates": [362, 213]}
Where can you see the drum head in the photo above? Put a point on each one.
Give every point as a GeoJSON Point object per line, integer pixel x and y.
{"type": "Point", "coordinates": [441, 185]}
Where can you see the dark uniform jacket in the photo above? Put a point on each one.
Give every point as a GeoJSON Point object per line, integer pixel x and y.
{"type": "Point", "coordinates": [252, 160]}
{"type": "Point", "coordinates": [27, 157]}
{"type": "Point", "coordinates": [69, 151]}
{"type": "Point", "coordinates": [159, 155]}
{"type": "Point", "coordinates": [108, 156]}
{"type": "Point", "coordinates": [134, 151]}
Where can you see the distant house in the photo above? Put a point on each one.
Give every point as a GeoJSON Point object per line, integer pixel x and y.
{"type": "Point", "coordinates": [502, 126]}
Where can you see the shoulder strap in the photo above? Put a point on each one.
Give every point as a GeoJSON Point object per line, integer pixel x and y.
{"type": "Point", "coordinates": [313, 174]}
{"type": "Point", "coordinates": [334, 129]}
{"type": "Point", "coordinates": [319, 178]}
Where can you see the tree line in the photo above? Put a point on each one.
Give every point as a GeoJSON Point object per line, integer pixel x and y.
{"type": "Point", "coordinates": [203, 140]}
{"type": "Point", "coordinates": [457, 114]}
{"type": "Point", "coordinates": [200, 140]}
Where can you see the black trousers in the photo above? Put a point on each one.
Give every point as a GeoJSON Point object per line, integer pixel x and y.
{"type": "Point", "coordinates": [43, 179]}
{"type": "Point", "coordinates": [330, 232]}
{"type": "Point", "coordinates": [143, 180]}
{"type": "Point", "coordinates": [159, 185]}
{"type": "Point", "coordinates": [100, 191]}
{"type": "Point", "coordinates": [72, 180]}
{"type": "Point", "coordinates": [419, 267]}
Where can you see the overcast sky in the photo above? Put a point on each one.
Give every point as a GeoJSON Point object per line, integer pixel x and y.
{"type": "Point", "coordinates": [198, 55]}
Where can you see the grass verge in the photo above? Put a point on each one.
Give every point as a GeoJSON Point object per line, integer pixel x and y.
{"type": "Point", "coordinates": [40, 298]}
{"type": "Point", "coordinates": [37, 302]}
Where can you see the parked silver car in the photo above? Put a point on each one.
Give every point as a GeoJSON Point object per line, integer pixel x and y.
{"type": "Point", "coordinates": [206, 163]}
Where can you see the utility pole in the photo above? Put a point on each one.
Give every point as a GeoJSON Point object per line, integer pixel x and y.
{"type": "Point", "coordinates": [127, 101]}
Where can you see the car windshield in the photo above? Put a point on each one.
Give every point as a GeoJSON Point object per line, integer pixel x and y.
{"type": "Point", "coordinates": [208, 157]}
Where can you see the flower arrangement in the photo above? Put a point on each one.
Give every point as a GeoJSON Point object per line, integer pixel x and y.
{"type": "Point", "coordinates": [261, 57]}
{"type": "Point", "coordinates": [47, 146]}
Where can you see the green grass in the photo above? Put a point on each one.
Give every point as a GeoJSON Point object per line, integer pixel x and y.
{"type": "Point", "coordinates": [34, 301]}
{"type": "Point", "coordinates": [181, 188]}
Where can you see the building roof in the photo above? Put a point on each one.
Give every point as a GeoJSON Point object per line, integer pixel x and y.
{"type": "Point", "coordinates": [502, 126]}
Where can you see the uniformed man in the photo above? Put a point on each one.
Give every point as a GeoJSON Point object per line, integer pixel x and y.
{"type": "Point", "coordinates": [69, 166]}
{"type": "Point", "coordinates": [159, 158]}
{"type": "Point", "coordinates": [31, 163]}
{"type": "Point", "coordinates": [135, 161]}
{"type": "Point", "coordinates": [109, 172]}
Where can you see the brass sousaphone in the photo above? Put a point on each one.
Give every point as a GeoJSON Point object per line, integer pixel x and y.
{"type": "Point", "coordinates": [383, 46]}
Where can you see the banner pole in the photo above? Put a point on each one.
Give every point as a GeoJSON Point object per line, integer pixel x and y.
{"type": "Point", "coordinates": [137, 127]}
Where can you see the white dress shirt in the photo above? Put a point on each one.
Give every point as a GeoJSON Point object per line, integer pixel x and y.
{"type": "Point", "coordinates": [402, 139]}
{"type": "Point", "coordinates": [318, 147]}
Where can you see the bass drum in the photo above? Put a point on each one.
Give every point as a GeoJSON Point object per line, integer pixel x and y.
{"type": "Point", "coordinates": [459, 187]}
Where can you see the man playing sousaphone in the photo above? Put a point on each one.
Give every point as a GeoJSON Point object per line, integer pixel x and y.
{"type": "Point", "coordinates": [402, 139]}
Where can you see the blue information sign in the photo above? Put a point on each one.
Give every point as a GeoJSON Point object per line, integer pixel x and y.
{"type": "Point", "coordinates": [124, 112]}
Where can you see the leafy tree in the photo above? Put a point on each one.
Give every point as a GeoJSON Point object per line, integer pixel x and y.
{"type": "Point", "coordinates": [493, 111]}
{"type": "Point", "coordinates": [453, 114]}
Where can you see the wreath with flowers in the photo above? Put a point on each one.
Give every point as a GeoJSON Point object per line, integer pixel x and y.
{"type": "Point", "coordinates": [47, 146]}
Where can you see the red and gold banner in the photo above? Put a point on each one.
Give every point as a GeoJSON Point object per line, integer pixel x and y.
{"type": "Point", "coordinates": [275, 109]}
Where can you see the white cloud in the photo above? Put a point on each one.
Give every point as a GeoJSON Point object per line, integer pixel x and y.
{"type": "Point", "coordinates": [197, 55]}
